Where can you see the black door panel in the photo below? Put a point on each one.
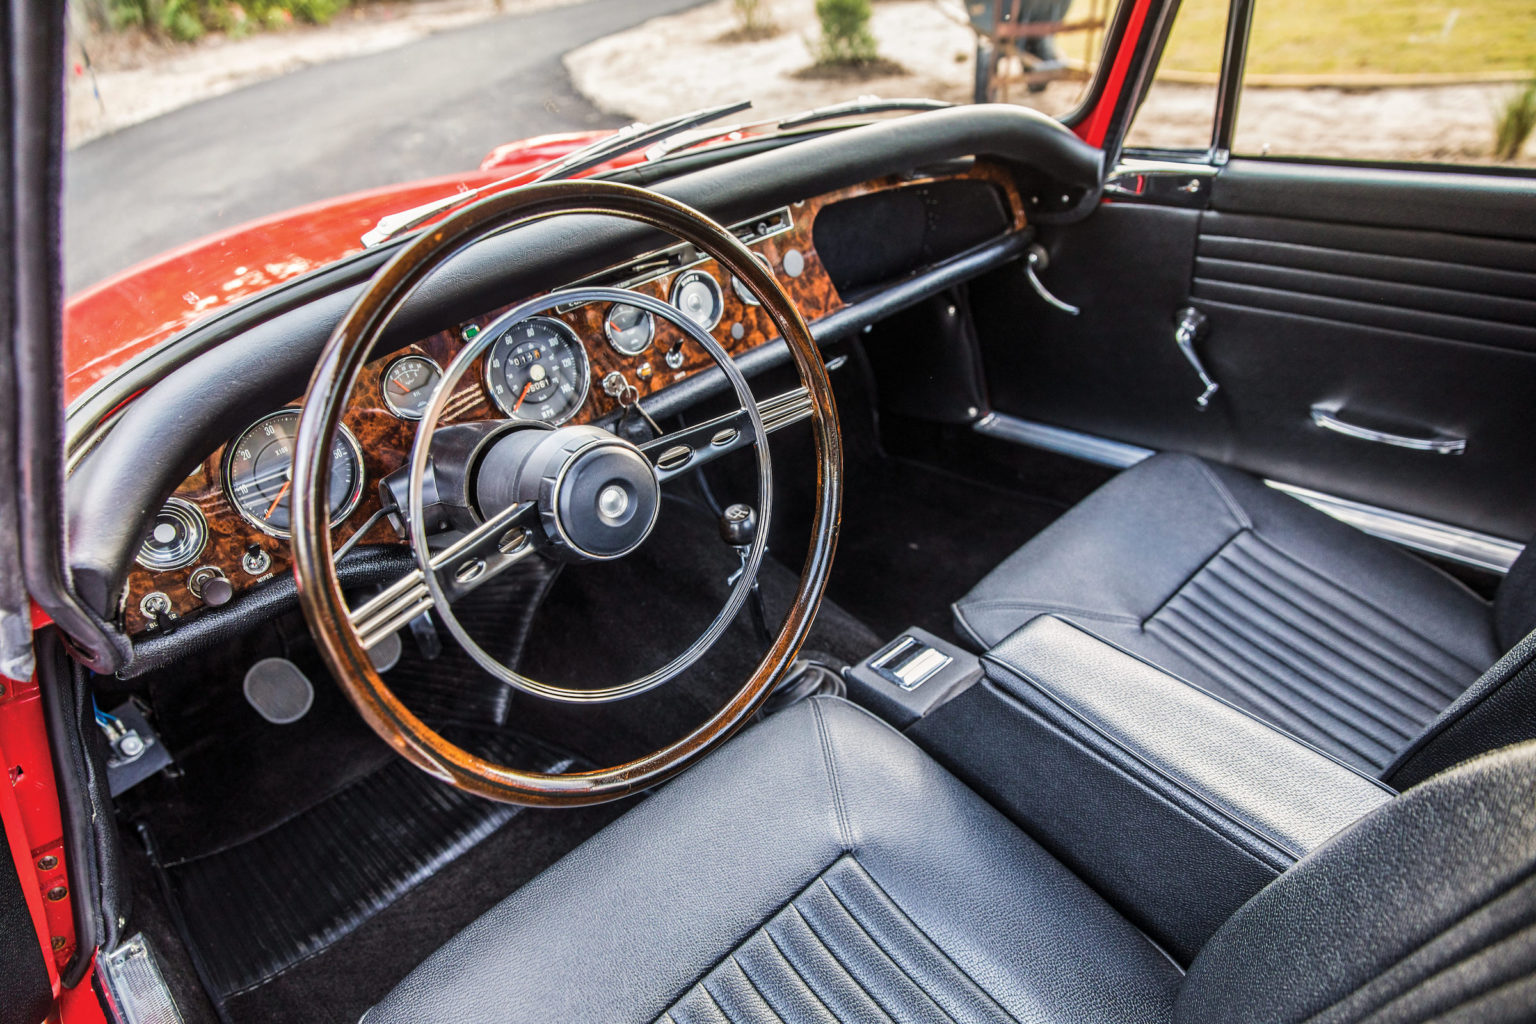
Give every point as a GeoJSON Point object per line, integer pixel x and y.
{"type": "Point", "coordinates": [1402, 301]}
{"type": "Point", "coordinates": [1113, 370]}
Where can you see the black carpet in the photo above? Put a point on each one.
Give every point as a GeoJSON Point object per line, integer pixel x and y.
{"type": "Point", "coordinates": [254, 909]}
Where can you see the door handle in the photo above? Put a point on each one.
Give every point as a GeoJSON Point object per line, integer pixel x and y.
{"type": "Point", "coordinates": [1328, 419]}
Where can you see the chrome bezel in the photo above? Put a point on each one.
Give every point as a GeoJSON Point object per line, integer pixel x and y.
{"type": "Point", "coordinates": [584, 378]}
{"type": "Point", "coordinates": [265, 527]}
{"type": "Point", "coordinates": [677, 284]}
{"type": "Point", "coordinates": [739, 286]}
{"type": "Point", "coordinates": [389, 404]}
{"type": "Point", "coordinates": [197, 526]}
{"type": "Point", "coordinates": [650, 332]}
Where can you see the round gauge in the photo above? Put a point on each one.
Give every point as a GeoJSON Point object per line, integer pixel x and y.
{"type": "Point", "coordinates": [537, 370]}
{"type": "Point", "coordinates": [630, 329]}
{"type": "Point", "coordinates": [177, 538]}
{"type": "Point", "coordinates": [258, 473]}
{"type": "Point", "coordinates": [408, 385]}
{"type": "Point", "coordinates": [740, 287]}
{"type": "Point", "coordinates": [697, 296]}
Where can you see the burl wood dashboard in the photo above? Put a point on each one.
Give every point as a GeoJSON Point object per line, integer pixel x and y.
{"type": "Point", "coordinates": [245, 555]}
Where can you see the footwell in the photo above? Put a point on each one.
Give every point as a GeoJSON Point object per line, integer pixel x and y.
{"type": "Point", "coordinates": [252, 910]}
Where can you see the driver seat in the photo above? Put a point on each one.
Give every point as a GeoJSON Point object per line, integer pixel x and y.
{"type": "Point", "coordinates": [820, 867]}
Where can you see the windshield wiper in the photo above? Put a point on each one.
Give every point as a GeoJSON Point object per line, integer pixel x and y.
{"type": "Point", "coordinates": [596, 153]}
{"type": "Point", "coordinates": [863, 105]}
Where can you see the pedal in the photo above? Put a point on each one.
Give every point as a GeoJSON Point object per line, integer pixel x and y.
{"type": "Point", "coordinates": [279, 690]}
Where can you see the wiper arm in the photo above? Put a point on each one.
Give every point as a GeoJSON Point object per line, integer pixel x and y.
{"type": "Point", "coordinates": [862, 105]}
{"type": "Point", "coordinates": [594, 154]}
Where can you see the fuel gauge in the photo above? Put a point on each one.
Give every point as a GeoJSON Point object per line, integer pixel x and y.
{"type": "Point", "coordinates": [630, 329]}
{"type": "Point", "coordinates": [408, 385]}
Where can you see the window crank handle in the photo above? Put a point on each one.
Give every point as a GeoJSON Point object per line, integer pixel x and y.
{"type": "Point", "coordinates": [1039, 260]}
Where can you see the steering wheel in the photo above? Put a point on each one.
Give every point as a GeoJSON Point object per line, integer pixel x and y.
{"type": "Point", "coordinates": [508, 489]}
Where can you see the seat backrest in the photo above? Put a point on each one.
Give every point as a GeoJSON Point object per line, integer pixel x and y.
{"type": "Point", "coordinates": [1426, 907]}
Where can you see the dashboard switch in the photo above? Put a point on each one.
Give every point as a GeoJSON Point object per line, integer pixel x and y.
{"type": "Point", "coordinates": [208, 584]}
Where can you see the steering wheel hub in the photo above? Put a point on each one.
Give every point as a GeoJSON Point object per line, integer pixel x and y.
{"type": "Point", "coordinates": [598, 496]}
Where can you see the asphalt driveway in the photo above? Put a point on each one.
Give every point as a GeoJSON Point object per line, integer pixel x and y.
{"type": "Point", "coordinates": [435, 106]}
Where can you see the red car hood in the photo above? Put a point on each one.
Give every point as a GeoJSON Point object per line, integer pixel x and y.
{"type": "Point", "coordinates": [112, 322]}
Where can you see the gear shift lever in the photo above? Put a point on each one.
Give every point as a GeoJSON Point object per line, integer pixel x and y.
{"type": "Point", "coordinates": [738, 528]}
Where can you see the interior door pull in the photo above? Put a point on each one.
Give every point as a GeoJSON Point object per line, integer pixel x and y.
{"type": "Point", "coordinates": [1328, 419]}
{"type": "Point", "coordinates": [1038, 260]}
{"type": "Point", "coordinates": [1188, 327]}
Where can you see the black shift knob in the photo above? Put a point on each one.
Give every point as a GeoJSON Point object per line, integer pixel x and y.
{"type": "Point", "coordinates": [738, 525]}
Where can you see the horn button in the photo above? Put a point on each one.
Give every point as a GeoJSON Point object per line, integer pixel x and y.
{"type": "Point", "coordinates": [598, 496]}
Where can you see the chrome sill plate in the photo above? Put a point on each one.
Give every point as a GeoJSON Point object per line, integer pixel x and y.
{"type": "Point", "coordinates": [1467, 547]}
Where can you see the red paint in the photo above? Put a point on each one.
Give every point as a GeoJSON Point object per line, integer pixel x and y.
{"type": "Point", "coordinates": [79, 1005]}
{"type": "Point", "coordinates": [124, 316]}
{"type": "Point", "coordinates": [29, 807]}
{"type": "Point", "coordinates": [1093, 128]}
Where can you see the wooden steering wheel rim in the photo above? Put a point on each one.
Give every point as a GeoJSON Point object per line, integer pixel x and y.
{"type": "Point", "coordinates": [349, 348]}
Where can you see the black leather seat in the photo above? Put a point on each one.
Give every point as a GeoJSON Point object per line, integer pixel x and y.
{"type": "Point", "coordinates": [1336, 637]}
{"type": "Point", "coordinates": [821, 868]}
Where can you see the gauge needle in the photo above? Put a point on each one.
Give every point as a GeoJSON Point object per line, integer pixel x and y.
{"type": "Point", "coordinates": [273, 507]}
{"type": "Point", "coordinates": [521, 395]}
{"type": "Point", "coordinates": [399, 387]}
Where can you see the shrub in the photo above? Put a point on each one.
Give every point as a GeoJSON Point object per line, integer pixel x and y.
{"type": "Point", "coordinates": [753, 20]}
{"type": "Point", "coordinates": [185, 20]}
{"type": "Point", "coordinates": [845, 35]}
{"type": "Point", "coordinates": [1514, 123]}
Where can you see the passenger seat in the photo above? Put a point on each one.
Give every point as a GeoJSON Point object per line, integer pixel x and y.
{"type": "Point", "coordinates": [1339, 638]}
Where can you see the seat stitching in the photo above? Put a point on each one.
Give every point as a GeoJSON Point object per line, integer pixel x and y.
{"type": "Point", "coordinates": [874, 1001]}
{"type": "Point", "coordinates": [1165, 602]}
{"type": "Point", "coordinates": [736, 959]}
{"type": "Point", "coordinates": [939, 950]}
{"type": "Point", "coordinates": [704, 990]}
{"type": "Point", "coordinates": [795, 970]}
{"type": "Point", "coordinates": [1470, 996]}
{"type": "Point", "coordinates": [1406, 627]}
{"type": "Point", "coordinates": [1308, 666]}
{"type": "Point", "coordinates": [1302, 700]}
{"type": "Point", "coordinates": [831, 764]}
{"type": "Point", "coordinates": [1199, 652]}
{"type": "Point", "coordinates": [1391, 644]}
{"type": "Point", "coordinates": [1443, 724]}
{"type": "Point", "coordinates": [1417, 671]}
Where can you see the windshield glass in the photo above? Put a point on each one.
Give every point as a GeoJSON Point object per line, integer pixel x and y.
{"type": "Point", "coordinates": [217, 148]}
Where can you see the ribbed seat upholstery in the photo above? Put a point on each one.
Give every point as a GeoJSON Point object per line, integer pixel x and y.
{"type": "Point", "coordinates": [841, 950]}
{"type": "Point", "coordinates": [1334, 636]}
{"type": "Point", "coordinates": [820, 869]}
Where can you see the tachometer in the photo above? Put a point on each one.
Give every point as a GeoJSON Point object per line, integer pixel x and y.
{"type": "Point", "coordinates": [537, 370]}
{"type": "Point", "coordinates": [258, 473]}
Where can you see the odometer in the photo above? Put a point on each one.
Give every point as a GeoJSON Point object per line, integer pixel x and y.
{"type": "Point", "coordinates": [258, 473]}
{"type": "Point", "coordinates": [537, 370]}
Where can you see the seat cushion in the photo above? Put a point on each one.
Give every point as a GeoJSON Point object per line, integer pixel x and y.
{"type": "Point", "coordinates": [817, 868]}
{"type": "Point", "coordinates": [1338, 638]}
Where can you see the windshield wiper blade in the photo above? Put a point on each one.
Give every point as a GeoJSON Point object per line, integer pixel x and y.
{"type": "Point", "coordinates": [862, 105]}
{"type": "Point", "coordinates": [634, 137]}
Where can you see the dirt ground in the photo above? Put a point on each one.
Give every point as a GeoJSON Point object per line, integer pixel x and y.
{"type": "Point", "coordinates": [622, 74]}
{"type": "Point", "coordinates": [119, 79]}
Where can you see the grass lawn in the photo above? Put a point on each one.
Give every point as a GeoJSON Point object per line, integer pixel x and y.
{"type": "Point", "coordinates": [1407, 37]}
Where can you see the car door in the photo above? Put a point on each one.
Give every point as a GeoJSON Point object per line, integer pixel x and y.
{"type": "Point", "coordinates": [1361, 328]}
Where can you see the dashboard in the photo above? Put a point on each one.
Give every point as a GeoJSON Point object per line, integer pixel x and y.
{"type": "Point", "coordinates": [225, 528]}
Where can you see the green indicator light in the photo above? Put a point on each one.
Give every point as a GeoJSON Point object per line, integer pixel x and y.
{"type": "Point", "coordinates": [471, 332]}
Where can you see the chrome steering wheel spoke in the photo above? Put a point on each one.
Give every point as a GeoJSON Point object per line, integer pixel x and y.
{"type": "Point", "coordinates": [475, 558]}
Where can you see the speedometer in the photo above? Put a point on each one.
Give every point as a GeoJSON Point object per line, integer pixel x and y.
{"type": "Point", "coordinates": [258, 473]}
{"type": "Point", "coordinates": [537, 370]}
